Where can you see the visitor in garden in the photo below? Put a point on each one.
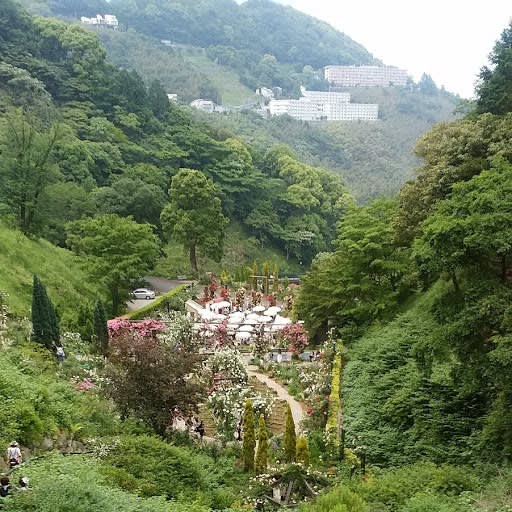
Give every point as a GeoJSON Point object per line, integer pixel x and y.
{"type": "Point", "coordinates": [238, 433]}
{"type": "Point", "coordinates": [23, 484]}
{"type": "Point", "coordinates": [200, 429]}
{"type": "Point", "coordinates": [59, 352]}
{"type": "Point", "coordinates": [5, 487]}
{"type": "Point", "coordinates": [14, 454]}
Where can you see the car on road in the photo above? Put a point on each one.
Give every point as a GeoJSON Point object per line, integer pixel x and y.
{"type": "Point", "coordinates": [143, 293]}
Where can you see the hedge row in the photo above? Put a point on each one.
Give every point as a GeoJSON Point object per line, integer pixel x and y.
{"type": "Point", "coordinates": [331, 427]}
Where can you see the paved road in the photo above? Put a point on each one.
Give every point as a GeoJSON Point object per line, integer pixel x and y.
{"type": "Point", "coordinates": [160, 285]}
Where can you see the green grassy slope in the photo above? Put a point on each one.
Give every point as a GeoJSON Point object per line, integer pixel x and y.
{"type": "Point", "coordinates": [226, 81]}
{"type": "Point", "coordinates": [60, 271]}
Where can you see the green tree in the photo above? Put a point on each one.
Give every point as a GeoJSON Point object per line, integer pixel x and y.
{"type": "Point", "coordinates": [45, 325]}
{"type": "Point", "coordinates": [119, 251]}
{"type": "Point", "coordinates": [471, 229]}
{"type": "Point", "coordinates": [248, 440]}
{"type": "Point", "coordinates": [26, 167]}
{"type": "Point", "coordinates": [100, 327]}
{"type": "Point", "coordinates": [260, 464]}
{"type": "Point", "coordinates": [362, 280]}
{"type": "Point", "coordinates": [494, 91]}
{"type": "Point", "coordinates": [194, 215]}
{"type": "Point", "coordinates": [290, 437]}
{"type": "Point", "coordinates": [158, 100]}
{"type": "Point", "coordinates": [302, 451]}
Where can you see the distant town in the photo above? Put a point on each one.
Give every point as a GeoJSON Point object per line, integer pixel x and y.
{"type": "Point", "coordinates": [332, 105]}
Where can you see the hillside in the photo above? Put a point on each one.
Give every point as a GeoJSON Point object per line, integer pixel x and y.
{"type": "Point", "coordinates": [63, 274]}
{"type": "Point", "coordinates": [373, 158]}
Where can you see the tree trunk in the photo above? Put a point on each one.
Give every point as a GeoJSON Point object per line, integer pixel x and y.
{"type": "Point", "coordinates": [116, 301]}
{"type": "Point", "coordinates": [455, 281]}
{"type": "Point", "coordinates": [504, 268]}
{"type": "Point", "coordinates": [193, 258]}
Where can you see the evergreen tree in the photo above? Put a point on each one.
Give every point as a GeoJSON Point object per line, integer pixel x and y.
{"type": "Point", "coordinates": [290, 438]}
{"type": "Point", "coordinates": [302, 451]}
{"type": "Point", "coordinates": [45, 325]}
{"type": "Point", "coordinates": [100, 327]}
{"type": "Point", "coordinates": [248, 442]}
{"type": "Point", "coordinates": [262, 452]}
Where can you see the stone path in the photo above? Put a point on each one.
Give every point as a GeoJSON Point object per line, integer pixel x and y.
{"type": "Point", "coordinates": [282, 393]}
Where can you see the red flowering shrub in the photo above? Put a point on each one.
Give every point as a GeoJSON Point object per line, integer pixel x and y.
{"type": "Point", "coordinates": [120, 327]}
{"type": "Point", "coordinates": [225, 293]}
{"type": "Point", "coordinates": [295, 336]}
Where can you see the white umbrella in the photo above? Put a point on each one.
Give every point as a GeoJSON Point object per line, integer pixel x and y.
{"type": "Point", "coordinates": [272, 310]}
{"type": "Point", "coordinates": [242, 335]}
{"type": "Point", "coordinates": [263, 319]}
{"type": "Point", "coordinates": [246, 328]}
{"type": "Point", "coordinates": [232, 327]}
{"type": "Point", "coordinates": [220, 305]}
{"type": "Point", "coordinates": [251, 321]}
{"type": "Point", "coordinates": [282, 320]}
{"type": "Point", "coordinates": [258, 309]}
{"type": "Point", "coordinates": [252, 316]}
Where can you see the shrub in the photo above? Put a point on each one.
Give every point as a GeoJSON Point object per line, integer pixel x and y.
{"type": "Point", "coordinates": [262, 453]}
{"type": "Point", "coordinates": [302, 451]}
{"type": "Point", "coordinates": [248, 441]}
{"type": "Point", "coordinates": [290, 438]}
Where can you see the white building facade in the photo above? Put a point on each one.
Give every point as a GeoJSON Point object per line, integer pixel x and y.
{"type": "Point", "coordinates": [365, 76]}
{"type": "Point", "coordinates": [108, 20]}
{"type": "Point", "coordinates": [324, 106]}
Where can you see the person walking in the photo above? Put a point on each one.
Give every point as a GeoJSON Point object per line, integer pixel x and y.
{"type": "Point", "coordinates": [14, 454]}
{"type": "Point", "coordinates": [60, 353]}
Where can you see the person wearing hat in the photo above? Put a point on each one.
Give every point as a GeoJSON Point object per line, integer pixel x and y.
{"type": "Point", "coordinates": [23, 484]}
{"type": "Point", "coordinates": [14, 454]}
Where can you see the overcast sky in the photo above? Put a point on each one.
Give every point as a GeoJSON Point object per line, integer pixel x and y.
{"type": "Point", "coordinates": [448, 39]}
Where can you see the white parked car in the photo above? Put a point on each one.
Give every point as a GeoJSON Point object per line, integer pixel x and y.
{"type": "Point", "coordinates": [143, 293]}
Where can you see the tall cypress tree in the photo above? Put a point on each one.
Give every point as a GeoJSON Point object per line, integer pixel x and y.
{"type": "Point", "coordinates": [39, 313]}
{"type": "Point", "coordinates": [262, 452]}
{"type": "Point", "coordinates": [248, 441]}
{"type": "Point", "coordinates": [290, 438]}
{"type": "Point", "coordinates": [100, 327]}
{"type": "Point", "coordinates": [45, 325]}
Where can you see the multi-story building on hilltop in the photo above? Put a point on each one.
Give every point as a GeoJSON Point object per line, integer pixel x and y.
{"type": "Point", "coordinates": [326, 106]}
{"type": "Point", "coordinates": [365, 76]}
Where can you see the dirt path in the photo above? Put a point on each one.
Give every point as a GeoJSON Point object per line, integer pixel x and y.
{"type": "Point", "coordinates": [282, 393]}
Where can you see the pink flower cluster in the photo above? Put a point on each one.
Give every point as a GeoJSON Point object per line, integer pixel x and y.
{"type": "Point", "coordinates": [84, 385]}
{"type": "Point", "coordinates": [145, 328]}
{"type": "Point", "coordinates": [296, 337]}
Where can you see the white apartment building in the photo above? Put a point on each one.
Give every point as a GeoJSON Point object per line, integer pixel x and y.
{"type": "Point", "coordinates": [351, 112]}
{"type": "Point", "coordinates": [109, 20]}
{"type": "Point", "coordinates": [325, 96]}
{"type": "Point", "coordinates": [327, 106]}
{"type": "Point", "coordinates": [365, 76]}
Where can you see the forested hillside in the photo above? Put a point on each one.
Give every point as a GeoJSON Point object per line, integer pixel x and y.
{"type": "Point", "coordinates": [82, 139]}
{"type": "Point", "coordinates": [420, 291]}
{"type": "Point", "coordinates": [374, 158]}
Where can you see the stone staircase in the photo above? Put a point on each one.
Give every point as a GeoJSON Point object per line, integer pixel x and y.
{"type": "Point", "coordinates": [277, 420]}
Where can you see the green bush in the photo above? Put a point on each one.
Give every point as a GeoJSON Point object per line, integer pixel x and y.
{"type": "Point", "coordinates": [74, 484]}
{"type": "Point", "coordinates": [340, 499]}
{"type": "Point", "coordinates": [159, 468]}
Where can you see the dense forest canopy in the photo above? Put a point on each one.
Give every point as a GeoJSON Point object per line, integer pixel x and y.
{"type": "Point", "coordinates": [421, 291]}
